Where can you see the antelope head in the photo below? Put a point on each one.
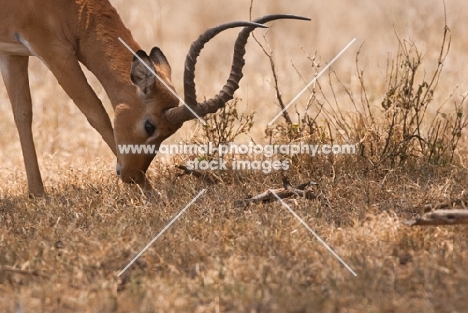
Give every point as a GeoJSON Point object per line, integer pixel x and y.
{"type": "Point", "coordinates": [159, 114]}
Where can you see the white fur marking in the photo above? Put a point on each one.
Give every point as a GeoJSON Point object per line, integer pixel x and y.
{"type": "Point", "coordinates": [15, 48]}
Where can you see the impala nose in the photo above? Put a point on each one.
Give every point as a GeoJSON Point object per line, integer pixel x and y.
{"type": "Point", "coordinates": [117, 168]}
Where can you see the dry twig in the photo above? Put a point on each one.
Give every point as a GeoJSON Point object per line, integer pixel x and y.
{"type": "Point", "coordinates": [210, 178]}
{"type": "Point", "coordinates": [15, 270]}
{"type": "Point", "coordinates": [441, 217]}
{"type": "Point", "coordinates": [286, 192]}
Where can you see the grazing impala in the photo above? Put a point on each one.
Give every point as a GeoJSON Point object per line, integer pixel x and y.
{"type": "Point", "coordinates": [63, 33]}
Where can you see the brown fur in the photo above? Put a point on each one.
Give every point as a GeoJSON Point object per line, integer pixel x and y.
{"type": "Point", "coordinates": [63, 33]}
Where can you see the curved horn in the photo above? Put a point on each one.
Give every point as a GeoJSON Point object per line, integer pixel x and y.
{"type": "Point", "coordinates": [181, 114]}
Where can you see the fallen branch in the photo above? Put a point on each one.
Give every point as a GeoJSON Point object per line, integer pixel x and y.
{"type": "Point", "coordinates": [207, 177]}
{"type": "Point", "coordinates": [441, 217]}
{"type": "Point", "coordinates": [20, 271]}
{"type": "Point", "coordinates": [286, 192]}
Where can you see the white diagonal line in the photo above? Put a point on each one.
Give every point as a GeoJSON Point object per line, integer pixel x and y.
{"type": "Point", "coordinates": [312, 81]}
{"type": "Point", "coordinates": [317, 236]}
{"type": "Point", "coordinates": [163, 82]}
{"type": "Point", "coordinates": [161, 232]}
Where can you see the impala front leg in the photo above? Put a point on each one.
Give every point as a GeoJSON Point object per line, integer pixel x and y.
{"type": "Point", "coordinates": [15, 75]}
{"type": "Point", "coordinates": [65, 67]}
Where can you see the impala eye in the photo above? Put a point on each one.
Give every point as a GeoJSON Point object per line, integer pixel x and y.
{"type": "Point", "coordinates": [149, 128]}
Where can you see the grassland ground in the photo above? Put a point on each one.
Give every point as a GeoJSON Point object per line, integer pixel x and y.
{"type": "Point", "coordinates": [62, 252]}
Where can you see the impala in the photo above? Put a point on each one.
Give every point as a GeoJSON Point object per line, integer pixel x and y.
{"type": "Point", "coordinates": [64, 33]}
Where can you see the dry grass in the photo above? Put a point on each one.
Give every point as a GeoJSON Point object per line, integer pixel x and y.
{"type": "Point", "coordinates": [215, 257]}
{"type": "Point", "coordinates": [62, 253]}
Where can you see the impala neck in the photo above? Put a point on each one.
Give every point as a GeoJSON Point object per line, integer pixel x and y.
{"type": "Point", "coordinates": [101, 51]}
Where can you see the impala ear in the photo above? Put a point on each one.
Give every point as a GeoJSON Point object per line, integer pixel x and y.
{"type": "Point", "coordinates": [159, 59]}
{"type": "Point", "coordinates": [141, 74]}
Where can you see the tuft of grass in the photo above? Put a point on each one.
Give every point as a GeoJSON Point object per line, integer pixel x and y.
{"type": "Point", "coordinates": [391, 131]}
